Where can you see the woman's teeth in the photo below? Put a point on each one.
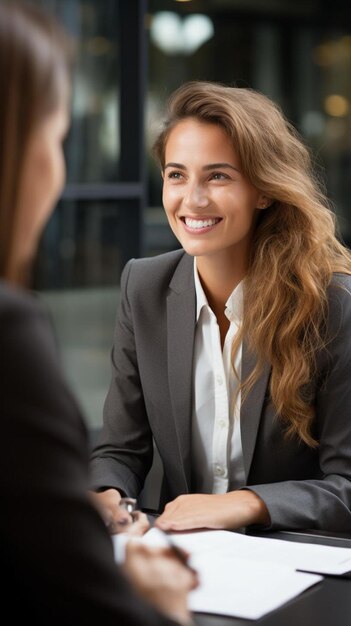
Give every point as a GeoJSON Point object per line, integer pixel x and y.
{"type": "Point", "coordinates": [200, 223]}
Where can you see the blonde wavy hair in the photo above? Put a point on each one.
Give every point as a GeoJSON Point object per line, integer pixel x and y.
{"type": "Point", "coordinates": [295, 248]}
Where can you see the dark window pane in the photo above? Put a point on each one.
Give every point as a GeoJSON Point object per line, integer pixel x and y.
{"type": "Point", "coordinates": [87, 243]}
{"type": "Point", "coordinates": [93, 143]}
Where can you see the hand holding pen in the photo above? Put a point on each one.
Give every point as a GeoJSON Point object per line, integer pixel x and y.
{"type": "Point", "coordinates": [162, 575]}
{"type": "Point", "coordinates": [130, 504]}
{"type": "Point", "coordinates": [161, 578]}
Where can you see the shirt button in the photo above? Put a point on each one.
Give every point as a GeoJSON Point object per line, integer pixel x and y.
{"type": "Point", "coordinates": [222, 423]}
{"type": "Point", "coordinates": [219, 379]}
{"type": "Point", "coordinates": [219, 470]}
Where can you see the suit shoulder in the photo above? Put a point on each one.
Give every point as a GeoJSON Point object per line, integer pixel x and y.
{"type": "Point", "coordinates": [339, 306]}
{"type": "Point", "coordinates": [165, 260]}
{"type": "Point", "coordinates": [156, 269]}
{"type": "Point", "coordinates": [341, 281]}
{"type": "Point", "coordinates": [339, 290]}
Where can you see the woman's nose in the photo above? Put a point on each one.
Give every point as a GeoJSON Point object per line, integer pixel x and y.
{"type": "Point", "coordinates": [196, 196]}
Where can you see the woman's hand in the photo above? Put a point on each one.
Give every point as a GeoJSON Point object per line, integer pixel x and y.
{"type": "Point", "coordinates": [221, 511]}
{"type": "Point", "coordinates": [116, 518]}
{"type": "Point", "coordinates": [161, 579]}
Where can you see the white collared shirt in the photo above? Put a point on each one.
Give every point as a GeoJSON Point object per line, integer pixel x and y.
{"type": "Point", "coordinates": [217, 461]}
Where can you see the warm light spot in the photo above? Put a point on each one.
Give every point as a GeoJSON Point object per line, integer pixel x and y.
{"type": "Point", "coordinates": [346, 41]}
{"type": "Point", "coordinates": [336, 105]}
{"type": "Point", "coordinates": [330, 52]}
{"type": "Point", "coordinates": [323, 55]}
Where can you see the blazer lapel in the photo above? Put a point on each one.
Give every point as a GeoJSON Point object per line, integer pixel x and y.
{"type": "Point", "coordinates": [180, 342]}
{"type": "Point", "coordinates": [251, 408]}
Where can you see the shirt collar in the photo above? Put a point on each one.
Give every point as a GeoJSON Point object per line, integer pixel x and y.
{"type": "Point", "coordinates": [233, 306]}
{"type": "Point", "coordinates": [201, 300]}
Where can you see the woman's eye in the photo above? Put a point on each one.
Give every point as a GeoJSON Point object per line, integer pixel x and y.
{"type": "Point", "coordinates": [219, 176]}
{"type": "Point", "coordinates": [175, 175]}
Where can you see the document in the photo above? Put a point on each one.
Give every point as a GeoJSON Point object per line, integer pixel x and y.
{"type": "Point", "coordinates": [230, 583]}
{"type": "Point", "coordinates": [299, 556]}
{"type": "Point", "coordinates": [245, 589]}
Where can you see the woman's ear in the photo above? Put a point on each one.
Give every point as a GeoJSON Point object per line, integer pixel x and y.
{"type": "Point", "coordinates": [264, 202]}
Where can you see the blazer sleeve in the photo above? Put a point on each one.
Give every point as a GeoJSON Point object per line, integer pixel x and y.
{"type": "Point", "coordinates": [56, 553]}
{"type": "Point", "coordinates": [324, 502]}
{"type": "Point", "coordinates": [124, 454]}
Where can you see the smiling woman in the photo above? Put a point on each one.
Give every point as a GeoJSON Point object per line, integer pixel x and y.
{"type": "Point", "coordinates": [232, 352]}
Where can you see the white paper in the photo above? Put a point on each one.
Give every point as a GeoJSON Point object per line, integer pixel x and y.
{"type": "Point", "coordinates": [231, 584]}
{"type": "Point", "coordinates": [300, 556]}
{"type": "Point", "coordinates": [241, 588]}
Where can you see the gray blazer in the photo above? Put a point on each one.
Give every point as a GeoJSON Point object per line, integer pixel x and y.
{"type": "Point", "coordinates": [150, 396]}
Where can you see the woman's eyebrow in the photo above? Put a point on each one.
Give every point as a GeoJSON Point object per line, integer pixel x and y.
{"type": "Point", "coordinates": [214, 166]}
{"type": "Point", "coordinates": [178, 166]}
{"type": "Point", "coordinates": [210, 166]}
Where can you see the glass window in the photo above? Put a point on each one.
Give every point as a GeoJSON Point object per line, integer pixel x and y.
{"type": "Point", "coordinates": [84, 320]}
{"type": "Point", "coordinates": [97, 225]}
{"type": "Point", "coordinates": [323, 70]}
{"type": "Point", "coordinates": [78, 273]}
{"type": "Point", "coordinates": [87, 243]}
{"type": "Point", "coordinates": [93, 143]}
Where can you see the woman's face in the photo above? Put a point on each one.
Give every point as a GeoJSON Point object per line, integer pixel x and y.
{"type": "Point", "coordinates": [211, 207]}
{"type": "Point", "coordinates": [42, 181]}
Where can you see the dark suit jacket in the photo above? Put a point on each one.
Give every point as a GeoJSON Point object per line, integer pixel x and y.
{"type": "Point", "coordinates": [56, 556]}
{"type": "Point", "coordinates": [151, 395]}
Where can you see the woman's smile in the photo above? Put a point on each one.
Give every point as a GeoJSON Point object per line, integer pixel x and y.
{"type": "Point", "coordinates": [200, 226]}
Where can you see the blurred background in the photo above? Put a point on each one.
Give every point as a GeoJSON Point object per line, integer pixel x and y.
{"type": "Point", "coordinates": [130, 55]}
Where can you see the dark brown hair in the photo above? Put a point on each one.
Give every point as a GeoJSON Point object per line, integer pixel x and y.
{"type": "Point", "coordinates": [35, 65]}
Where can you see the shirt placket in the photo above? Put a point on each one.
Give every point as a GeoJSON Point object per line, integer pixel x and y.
{"type": "Point", "coordinates": [221, 418]}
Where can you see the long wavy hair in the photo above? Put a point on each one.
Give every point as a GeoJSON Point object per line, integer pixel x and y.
{"type": "Point", "coordinates": [295, 247]}
{"type": "Point", "coordinates": [35, 67]}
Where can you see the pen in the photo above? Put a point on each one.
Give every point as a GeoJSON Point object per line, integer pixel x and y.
{"type": "Point", "coordinates": [178, 552]}
{"type": "Point", "coordinates": [129, 504]}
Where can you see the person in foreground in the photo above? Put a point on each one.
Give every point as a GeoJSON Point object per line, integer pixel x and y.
{"type": "Point", "coordinates": [56, 552]}
{"type": "Point", "coordinates": [234, 352]}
